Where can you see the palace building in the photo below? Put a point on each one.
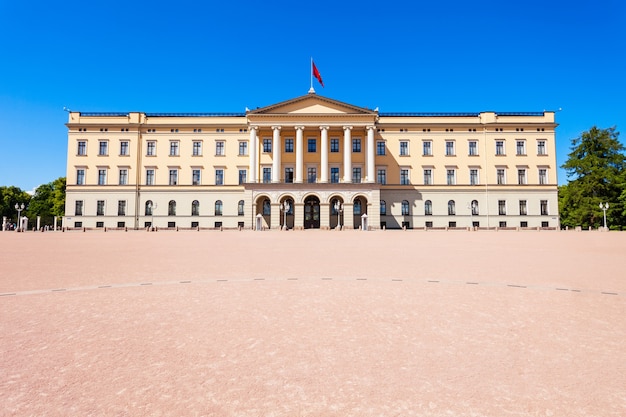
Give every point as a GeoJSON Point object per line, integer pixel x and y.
{"type": "Point", "coordinates": [312, 162]}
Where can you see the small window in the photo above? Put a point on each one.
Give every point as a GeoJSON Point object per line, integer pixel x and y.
{"type": "Point", "coordinates": [404, 177]}
{"type": "Point", "coordinates": [288, 145]}
{"type": "Point", "coordinates": [380, 148]}
{"type": "Point", "coordinates": [334, 175]}
{"type": "Point", "coordinates": [100, 208]}
{"type": "Point", "coordinates": [218, 208]}
{"type": "Point", "coordinates": [267, 145]}
{"type": "Point", "coordinates": [80, 177]}
{"type": "Point", "coordinates": [541, 147]}
{"type": "Point", "coordinates": [240, 208]}
{"type": "Point", "coordinates": [195, 208]}
{"type": "Point", "coordinates": [195, 177]}
{"type": "Point", "coordinates": [500, 177]}
{"type": "Point", "coordinates": [381, 176]}
{"type": "Point", "coordinates": [473, 148]}
{"type": "Point", "coordinates": [521, 147]}
{"type": "Point", "coordinates": [197, 148]}
{"type": "Point", "coordinates": [78, 208]}
{"type": "Point", "coordinates": [500, 147]}
{"type": "Point", "coordinates": [219, 148]}
{"type": "Point", "coordinates": [356, 145]}
{"type": "Point", "coordinates": [173, 177]}
{"type": "Point", "coordinates": [428, 208]}
{"type": "Point", "coordinates": [356, 175]}
{"type": "Point", "coordinates": [123, 177]}
{"type": "Point", "coordinates": [405, 208]}
{"type": "Point", "coordinates": [523, 208]}
{"type": "Point", "coordinates": [404, 148]}
{"type": "Point", "coordinates": [267, 175]}
{"type": "Point", "coordinates": [103, 149]}
{"type": "Point", "coordinates": [219, 177]}
{"type": "Point", "coordinates": [451, 176]}
{"type": "Point", "coordinates": [171, 208]}
{"type": "Point", "coordinates": [121, 208]}
{"type": "Point", "coordinates": [450, 148]}
{"type": "Point", "coordinates": [243, 176]}
{"type": "Point", "coordinates": [427, 148]}
{"type": "Point", "coordinates": [82, 148]}
{"type": "Point", "coordinates": [243, 148]}
{"type": "Point", "coordinates": [151, 148]}
{"type": "Point", "coordinates": [543, 176]}
{"type": "Point", "coordinates": [124, 148]}
{"type": "Point", "coordinates": [102, 177]}
{"type": "Point", "coordinates": [334, 145]}
{"type": "Point", "coordinates": [428, 176]}
{"type": "Point", "coordinates": [174, 145]}
{"type": "Point", "coordinates": [521, 176]}
{"type": "Point", "coordinates": [451, 208]}
{"type": "Point", "coordinates": [502, 207]}
{"type": "Point", "coordinates": [473, 176]}
{"type": "Point", "coordinates": [149, 176]}
{"type": "Point", "coordinates": [312, 145]}
{"type": "Point", "coordinates": [311, 175]}
{"type": "Point", "coordinates": [544, 207]}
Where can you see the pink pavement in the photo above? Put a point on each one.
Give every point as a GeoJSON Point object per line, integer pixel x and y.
{"type": "Point", "coordinates": [313, 323]}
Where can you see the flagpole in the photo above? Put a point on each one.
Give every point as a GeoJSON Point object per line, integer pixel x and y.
{"type": "Point", "coordinates": [311, 73]}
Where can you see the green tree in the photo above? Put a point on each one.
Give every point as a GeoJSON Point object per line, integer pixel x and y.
{"type": "Point", "coordinates": [48, 201]}
{"type": "Point", "coordinates": [595, 168]}
{"type": "Point", "coordinates": [9, 196]}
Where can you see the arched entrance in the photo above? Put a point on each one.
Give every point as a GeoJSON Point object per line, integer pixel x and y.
{"type": "Point", "coordinates": [312, 213]}
{"type": "Point", "coordinates": [264, 207]}
{"type": "Point", "coordinates": [359, 209]}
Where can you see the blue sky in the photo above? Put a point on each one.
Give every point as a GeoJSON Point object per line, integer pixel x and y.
{"type": "Point", "coordinates": [223, 56]}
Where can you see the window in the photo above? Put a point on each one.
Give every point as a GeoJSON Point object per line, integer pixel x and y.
{"type": "Point", "coordinates": [356, 145]}
{"type": "Point", "coordinates": [312, 145]}
{"type": "Point", "coordinates": [195, 177]}
{"type": "Point", "coordinates": [123, 176]}
{"type": "Point", "coordinates": [80, 177]}
{"type": "Point", "coordinates": [543, 176]}
{"type": "Point", "coordinates": [357, 207]}
{"type": "Point", "coordinates": [380, 147]}
{"type": "Point", "coordinates": [404, 177]}
{"type": "Point", "coordinates": [219, 177]}
{"type": "Point", "coordinates": [521, 176]}
{"type": "Point", "coordinates": [450, 148]}
{"type": "Point", "coordinates": [288, 145]}
{"type": "Point", "coordinates": [502, 207]}
{"type": "Point", "coordinates": [151, 149]}
{"type": "Point", "coordinates": [289, 175]}
{"type": "Point", "coordinates": [474, 207]}
{"type": "Point", "coordinates": [523, 224]}
{"type": "Point", "coordinates": [243, 176]}
{"type": "Point", "coordinates": [499, 147]}
{"type": "Point", "coordinates": [195, 208]}
{"type": "Point", "coordinates": [473, 148]}
{"type": "Point", "coordinates": [545, 224]}
{"type": "Point", "coordinates": [405, 208]}
{"type": "Point", "coordinates": [311, 174]}
{"type": "Point", "coordinates": [121, 208]}
{"type": "Point", "coordinates": [240, 208]}
{"type": "Point", "coordinates": [451, 208]}
{"type": "Point", "coordinates": [171, 208]}
{"type": "Point", "coordinates": [429, 224]}
{"type": "Point", "coordinates": [356, 175]}
{"type": "Point", "coordinates": [82, 148]}
{"type": "Point", "coordinates": [149, 208]}
{"type": "Point", "coordinates": [521, 147]}
{"type": "Point", "coordinates": [197, 148]}
{"type": "Point", "coordinates": [500, 177]}
{"type": "Point", "coordinates": [522, 208]}
{"type": "Point", "coordinates": [218, 208]}
{"type": "Point", "coordinates": [267, 207]}
{"type": "Point", "coordinates": [267, 175]}
{"type": "Point", "coordinates": [100, 208]}
{"type": "Point", "coordinates": [78, 208]}
{"type": "Point", "coordinates": [243, 148]}
{"type": "Point", "coordinates": [473, 176]}
{"type": "Point", "coordinates": [427, 148]}
{"type": "Point", "coordinates": [267, 145]}
{"type": "Point", "coordinates": [544, 207]}
{"type": "Point", "coordinates": [502, 224]}
{"type": "Point", "coordinates": [124, 148]}
{"type": "Point", "coordinates": [451, 224]}
{"type": "Point", "coordinates": [428, 208]}
{"type": "Point", "coordinates": [383, 208]}
{"type": "Point", "coordinates": [428, 176]}
{"type": "Point", "coordinates": [381, 176]}
{"type": "Point", "coordinates": [404, 148]}
{"type": "Point", "coordinates": [450, 176]}
{"type": "Point", "coordinates": [219, 148]}
{"type": "Point", "coordinates": [173, 176]}
{"type": "Point", "coordinates": [334, 145]}
{"type": "Point", "coordinates": [102, 177]}
{"type": "Point", "coordinates": [174, 145]}
{"type": "Point", "coordinates": [334, 175]}
{"type": "Point", "coordinates": [103, 149]}
{"type": "Point", "coordinates": [149, 177]}
{"type": "Point", "coordinates": [541, 147]}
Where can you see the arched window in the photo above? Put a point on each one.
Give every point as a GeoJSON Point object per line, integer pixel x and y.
{"type": "Point", "coordinates": [195, 208]}
{"type": "Point", "coordinates": [218, 208]}
{"type": "Point", "coordinates": [428, 208]}
{"type": "Point", "coordinates": [240, 208]}
{"type": "Point", "coordinates": [357, 207]}
{"type": "Point", "coordinates": [405, 208]}
{"type": "Point", "coordinates": [451, 208]}
{"type": "Point", "coordinates": [383, 208]}
{"type": "Point", "coordinates": [149, 208]}
{"type": "Point", "coordinates": [474, 208]}
{"type": "Point", "coordinates": [267, 207]}
{"type": "Point", "coordinates": [171, 208]}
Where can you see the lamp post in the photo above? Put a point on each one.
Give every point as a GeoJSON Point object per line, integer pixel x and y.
{"type": "Point", "coordinates": [285, 206]}
{"type": "Point", "coordinates": [152, 207]}
{"type": "Point", "coordinates": [338, 208]}
{"type": "Point", "coordinates": [604, 207]}
{"type": "Point", "coordinates": [19, 209]}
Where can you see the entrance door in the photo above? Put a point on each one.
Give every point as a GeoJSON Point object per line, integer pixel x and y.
{"type": "Point", "coordinates": [312, 213]}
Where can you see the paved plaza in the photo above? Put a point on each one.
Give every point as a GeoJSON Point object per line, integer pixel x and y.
{"type": "Point", "coordinates": [313, 323]}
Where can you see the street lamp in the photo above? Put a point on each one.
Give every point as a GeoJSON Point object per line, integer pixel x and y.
{"type": "Point", "coordinates": [338, 208]}
{"type": "Point", "coordinates": [152, 207]}
{"type": "Point", "coordinates": [19, 209]}
{"type": "Point", "coordinates": [285, 206]}
{"type": "Point", "coordinates": [604, 208]}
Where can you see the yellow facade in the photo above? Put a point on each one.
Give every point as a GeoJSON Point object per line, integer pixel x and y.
{"type": "Point", "coordinates": [410, 170]}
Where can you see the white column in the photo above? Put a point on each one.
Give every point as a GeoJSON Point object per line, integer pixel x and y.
{"type": "Point", "coordinates": [370, 155]}
{"type": "Point", "coordinates": [254, 162]}
{"type": "Point", "coordinates": [324, 160]}
{"type": "Point", "coordinates": [299, 153]}
{"type": "Point", "coordinates": [276, 154]}
{"type": "Point", "coordinates": [347, 154]}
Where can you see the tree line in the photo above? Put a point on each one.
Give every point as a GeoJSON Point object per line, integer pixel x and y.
{"type": "Point", "coordinates": [47, 201]}
{"type": "Point", "coordinates": [595, 168]}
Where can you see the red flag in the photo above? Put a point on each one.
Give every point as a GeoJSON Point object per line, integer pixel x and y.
{"type": "Point", "coordinates": [317, 74]}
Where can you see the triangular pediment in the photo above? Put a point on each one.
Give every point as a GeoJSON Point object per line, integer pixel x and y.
{"type": "Point", "coordinates": [312, 104]}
